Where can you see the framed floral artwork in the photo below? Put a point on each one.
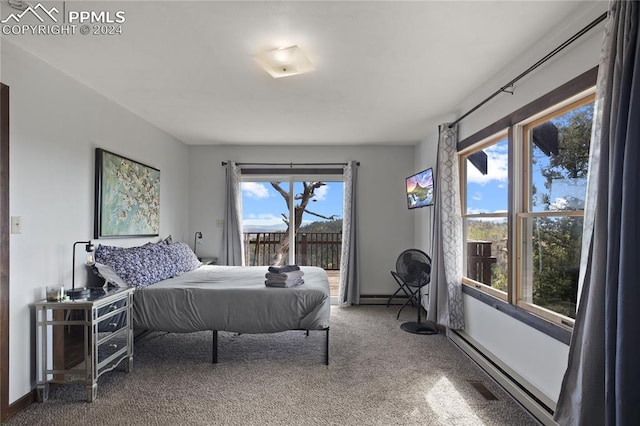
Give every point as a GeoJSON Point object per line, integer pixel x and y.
{"type": "Point", "coordinates": [127, 197]}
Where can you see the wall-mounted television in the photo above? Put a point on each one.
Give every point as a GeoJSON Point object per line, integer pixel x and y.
{"type": "Point", "coordinates": [420, 189]}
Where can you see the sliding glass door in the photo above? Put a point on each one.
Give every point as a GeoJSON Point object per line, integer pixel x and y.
{"type": "Point", "coordinates": [289, 219]}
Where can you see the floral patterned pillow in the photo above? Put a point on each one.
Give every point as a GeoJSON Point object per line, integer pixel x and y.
{"type": "Point", "coordinates": [145, 265]}
{"type": "Point", "coordinates": [185, 259]}
{"type": "Point", "coordinates": [139, 266]}
{"type": "Point", "coordinates": [103, 251]}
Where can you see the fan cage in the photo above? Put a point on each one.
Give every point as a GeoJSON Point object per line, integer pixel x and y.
{"type": "Point", "coordinates": [414, 266]}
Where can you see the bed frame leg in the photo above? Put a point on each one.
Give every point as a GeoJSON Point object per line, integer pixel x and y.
{"type": "Point", "coordinates": [215, 347]}
{"type": "Point", "coordinates": [326, 348]}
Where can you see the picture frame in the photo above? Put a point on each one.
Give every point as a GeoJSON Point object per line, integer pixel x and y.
{"type": "Point", "coordinates": [127, 197]}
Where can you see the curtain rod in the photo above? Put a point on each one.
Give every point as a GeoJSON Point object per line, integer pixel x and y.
{"type": "Point", "coordinates": [224, 163]}
{"type": "Point", "coordinates": [533, 67]}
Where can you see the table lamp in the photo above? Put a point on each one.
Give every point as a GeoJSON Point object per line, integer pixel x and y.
{"type": "Point", "coordinates": [89, 248]}
{"type": "Point", "coordinates": [196, 237]}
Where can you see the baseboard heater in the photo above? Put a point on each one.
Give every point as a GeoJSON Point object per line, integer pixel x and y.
{"type": "Point", "coordinates": [540, 409]}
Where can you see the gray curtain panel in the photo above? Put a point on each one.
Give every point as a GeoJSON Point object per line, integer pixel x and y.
{"type": "Point", "coordinates": [600, 386]}
{"type": "Point", "coordinates": [349, 264]}
{"type": "Point", "coordinates": [445, 290]}
{"type": "Point", "coordinates": [232, 249]}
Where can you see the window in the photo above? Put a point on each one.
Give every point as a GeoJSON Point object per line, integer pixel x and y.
{"type": "Point", "coordinates": [555, 160]}
{"type": "Point", "coordinates": [484, 211]}
{"type": "Point", "coordinates": [523, 192]}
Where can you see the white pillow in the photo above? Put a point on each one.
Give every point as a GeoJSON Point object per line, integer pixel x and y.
{"type": "Point", "coordinates": [109, 274]}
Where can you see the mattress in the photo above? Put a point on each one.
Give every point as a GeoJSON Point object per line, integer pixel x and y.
{"type": "Point", "coordinates": [232, 298]}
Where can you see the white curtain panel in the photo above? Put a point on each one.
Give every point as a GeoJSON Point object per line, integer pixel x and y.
{"type": "Point", "coordinates": [232, 249]}
{"type": "Point", "coordinates": [349, 265]}
{"type": "Point", "coordinates": [445, 289]}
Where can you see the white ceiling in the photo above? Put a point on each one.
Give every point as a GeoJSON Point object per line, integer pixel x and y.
{"type": "Point", "coordinates": [384, 69]}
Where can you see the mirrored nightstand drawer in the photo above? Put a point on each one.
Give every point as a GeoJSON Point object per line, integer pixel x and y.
{"type": "Point", "coordinates": [113, 323]}
{"type": "Point", "coordinates": [111, 307]}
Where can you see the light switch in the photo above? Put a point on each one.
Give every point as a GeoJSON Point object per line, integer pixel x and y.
{"type": "Point", "coordinates": [220, 223]}
{"type": "Point", "coordinates": [16, 224]}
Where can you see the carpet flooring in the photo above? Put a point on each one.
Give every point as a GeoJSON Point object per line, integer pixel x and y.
{"type": "Point", "coordinates": [378, 375]}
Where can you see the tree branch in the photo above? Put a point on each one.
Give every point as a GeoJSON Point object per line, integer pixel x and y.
{"type": "Point", "coordinates": [277, 187]}
{"type": "Point", "coordinates": [332, 217]}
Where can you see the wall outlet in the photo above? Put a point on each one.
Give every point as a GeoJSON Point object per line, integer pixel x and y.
{"type": "Point", "coordinates": [220, 223]}
{"type": "Point", "coordinates": [16, 224]}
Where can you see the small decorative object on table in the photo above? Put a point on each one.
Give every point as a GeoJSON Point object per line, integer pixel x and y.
{"type": "Point", "coordinates": [55, 293]}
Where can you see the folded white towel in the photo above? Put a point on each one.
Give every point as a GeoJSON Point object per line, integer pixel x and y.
{"type": "Point", "coordinates": [285, 283]}
{"type": "Point", "coordinates": [284, 275]}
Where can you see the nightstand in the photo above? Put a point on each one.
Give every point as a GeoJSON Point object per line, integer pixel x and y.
{"type": "Point", "coordinates": [97, 328]}
{"type": "Point", "coordinates": [208, 260]}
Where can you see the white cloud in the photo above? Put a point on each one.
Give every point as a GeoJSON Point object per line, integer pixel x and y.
{"type": "Point", "coordinates": [497, 166]}
{"type": "Point", "coordinates": [320, 194]}
{"type": "Point", "coordinates": [255, 190]}
{"type": "Point", "coordinates": [477, 196]}
{"type": "Point", "coordinates": [262, 216]}
{"type": "Point", "coordinates": [559, 204]}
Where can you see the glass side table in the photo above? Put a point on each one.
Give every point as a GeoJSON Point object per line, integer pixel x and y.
{"type": "Point", "coordinates": [83, 338]}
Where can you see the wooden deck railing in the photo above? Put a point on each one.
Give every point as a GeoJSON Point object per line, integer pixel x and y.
{"type": "Point", "coordinates": [321, 249]}
{"type": "Point", "coordinates": [479, 261]}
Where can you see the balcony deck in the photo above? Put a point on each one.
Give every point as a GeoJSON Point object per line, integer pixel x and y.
{"type": "Point", "coordinates": [321, 249]}
{"type": "Point", "coordinates": [334, 282]}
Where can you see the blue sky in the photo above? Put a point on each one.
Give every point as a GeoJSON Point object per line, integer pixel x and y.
{"type": "Point", "coordinates": [262, 205]}
{"type": "Point", "coordinates": [488, 193]}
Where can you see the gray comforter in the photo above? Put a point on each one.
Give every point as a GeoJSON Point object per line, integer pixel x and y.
{"type": "Point", "coordinates": [232, 298]}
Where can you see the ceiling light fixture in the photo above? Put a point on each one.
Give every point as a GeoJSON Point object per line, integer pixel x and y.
{"type": "Point", "coordinates": [284, 62]}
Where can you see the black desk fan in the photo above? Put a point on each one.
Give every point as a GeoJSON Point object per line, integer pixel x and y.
{"type": "Point", "coordinates": [413, 269]}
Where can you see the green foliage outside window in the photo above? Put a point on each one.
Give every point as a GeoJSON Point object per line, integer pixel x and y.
{"type": "Point", "coordinates": [552, 243]}
{"type": "Point", "coordinates": [556, 242]}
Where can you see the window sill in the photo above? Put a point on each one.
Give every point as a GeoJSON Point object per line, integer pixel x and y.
{"type": "Point", "coordinates": [485, 289]}
{"type": "Point", "coordinates": [542, 325]}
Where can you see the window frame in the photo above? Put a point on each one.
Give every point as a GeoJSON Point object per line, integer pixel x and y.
{"type": "Point", "coordinates": [462, 158]}
{"type": "Point", "coordinates": [577, 92]}
{"type": "Point", "coordinates": [284, 175]}
{"type": "Point", "coordinates": [523, 198]}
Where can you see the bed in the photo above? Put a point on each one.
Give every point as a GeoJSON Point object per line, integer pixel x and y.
{"type": "Point", "coordinates": [175, 293]}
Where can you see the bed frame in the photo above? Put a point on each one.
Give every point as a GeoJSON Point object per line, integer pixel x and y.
{"type": "Point", "coordinates": [176, 293]}
{"type": "Point", "coordinates": [233, 287]}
